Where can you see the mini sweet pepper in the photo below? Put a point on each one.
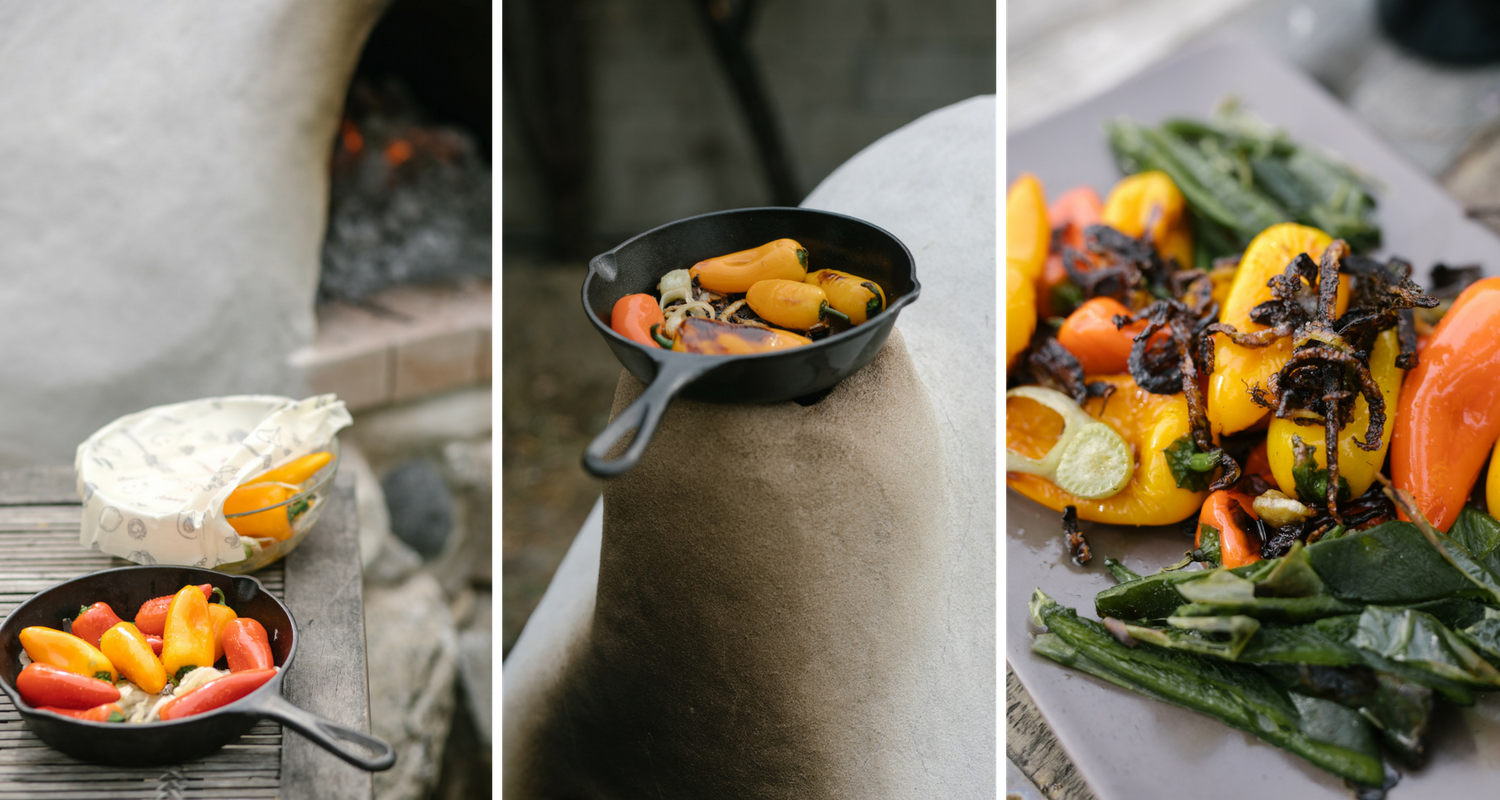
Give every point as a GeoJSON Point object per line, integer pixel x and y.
{"type": "Point", "coordinates": [1447, 419]}
{"type": "Point", "coordinates": [188, 642]}
{"type": "Point", "coordinates": [1150, 423]}
{"type": "Point", "coordinates": [1152, 199]}
{"type": "Point", "coordinates": [1357, 466]}
{"type": "Point", "coordinates": [1237, 368]}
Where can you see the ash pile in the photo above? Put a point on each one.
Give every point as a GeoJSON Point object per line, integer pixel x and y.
{"type": "Point", "coordinates": [409, 202]}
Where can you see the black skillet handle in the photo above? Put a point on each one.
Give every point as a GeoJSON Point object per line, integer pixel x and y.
{"type": "Point", "coordinates": [330, 736]}
{"type": "Point", "coordinates": [643, 415]}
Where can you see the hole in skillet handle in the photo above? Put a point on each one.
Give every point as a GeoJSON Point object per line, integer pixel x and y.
{"type": "Point", "coordinates": [643, 416]}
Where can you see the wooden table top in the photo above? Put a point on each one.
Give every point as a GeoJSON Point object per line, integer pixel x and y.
{"type": "Point", "coordinates": [319, 582]}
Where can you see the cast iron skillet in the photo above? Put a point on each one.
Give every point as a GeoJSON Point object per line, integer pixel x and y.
{"type": "Point", "coordinates": [127, 745]}
{"type": "Point", "coordinates": [833, 241]}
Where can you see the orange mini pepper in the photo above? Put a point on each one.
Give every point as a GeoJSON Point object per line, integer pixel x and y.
{"type": "Point", "coordinates": [1447, 419]}
{"type": "Point", "coordinates": [737, 272]}
{"type": "Point", "coordinates": [220, 616]}
{"type": "Point", "coordinates": [1089, 333]}
{"type": "Point", "coordinates": [127, 648]}
{"type": "Point", "coordinates": [633, 317]}
{"type": "Point", "coordinates": [273, 523]}
{"type": "Point", "coordinates": [296, 471]}
{"type": "Point", "coordinates": [1237, 546]}
{"type": "Point", "coordinates": [246, 645]}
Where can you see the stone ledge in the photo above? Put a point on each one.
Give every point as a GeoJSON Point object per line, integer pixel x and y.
{"type": "Point", "coordinates": [404, 343]}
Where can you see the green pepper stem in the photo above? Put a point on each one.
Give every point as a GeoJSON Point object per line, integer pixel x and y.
{"type": "Point", "coordinates": [661, 340]}
{"type": "Point", "coordinates": [219, 593]}
{"type": "Point", "coordinates": [828, 310]}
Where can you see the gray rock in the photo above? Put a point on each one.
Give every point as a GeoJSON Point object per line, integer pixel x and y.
{"type": "Point", "coordinates": [393, 564]}
{"type": "Point", "coordinates": [369, 500]}
{"type": "Point", "coordinates": [420, 505]}
{"type": "Point", "coordinates": [413, 657]}
{"type": "Point", "coordinates": [468, 557]}
{"type": "Point", "coordinates": [470, 464]}
{"type": "Point", "coordinates": [476, 660]}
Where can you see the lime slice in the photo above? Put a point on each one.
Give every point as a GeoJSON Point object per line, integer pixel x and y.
{"type": "Point", "coordinates": [1090, 460]}
{"type": "Point", "coordinates": [1096, 463]}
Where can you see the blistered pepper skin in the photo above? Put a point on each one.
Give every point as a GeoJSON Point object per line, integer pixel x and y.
{"type": "Point", "coordinates": [735, 273]}
{"type": "Point", "coordinates": [1448, 419]}
{"type": "Point", "coordinates": [1152, 198]}
{"type": "Point", "coordinates": [714, 338]}
{"type": "Point", "coordinates": [1150, 423]}
{"type": "Point", "coordinates": [1236, 368]}
{"type": "Point", "coordinates": [1356, 465]}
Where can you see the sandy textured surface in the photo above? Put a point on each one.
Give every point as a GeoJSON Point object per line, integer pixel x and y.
{"type": "Point", "coordinates": [738, 622]}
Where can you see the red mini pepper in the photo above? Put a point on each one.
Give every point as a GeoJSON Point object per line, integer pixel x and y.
{"type": "Point", "coordinates": [107, 712]}
{"type": "Point", "coordinates": [151, 620]}
{"type": "Point", "coordinates": [154, 641]}
{"type": "Point", "coordinates": [93, 621]}
{"type": "Point", "coordinates": [633, 317]}
{"type": "Point", "coordinates": [246, 646]}
{"type": "Point", "coordinates": [43, 685]}
{"type": "Point", "coordinates": [216, 693]}
{"type": "Point", "coordinates": [1447, 420]}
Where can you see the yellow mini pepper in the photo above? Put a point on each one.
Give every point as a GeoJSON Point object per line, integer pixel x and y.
{"type": "Point", "coordinates": [1356, 465]}
{"type": "Point", "coordinates": [188, 640]}
{"type": "Point", "coordinates": [1237, 368]}
{"type": "Point", "coordinates": [127, 648]}
{"type": "Point", "coordinates": [1150, 423]}
{"type": "Point", "coordinates": [1020, 314]}
{"type": "Point", "coordinates": [1152, 197]}
{"type": "Point", "coordinates": [66, 651]}
{"type": "Point", "coordinates": [1027, 235]}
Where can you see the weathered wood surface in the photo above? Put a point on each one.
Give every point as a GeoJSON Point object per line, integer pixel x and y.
{"type": "Point", "coordinates": [1030, 745]}
{"type": "Point", "coordinates": [39, 519]}
{"type": "Point", "coordinates": [329, 677]}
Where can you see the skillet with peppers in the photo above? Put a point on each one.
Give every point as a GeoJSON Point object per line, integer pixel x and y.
{"type": "Point", "coordinates": [160, 666]}
{"type": "Point", "coordinates": [1188, 350]}
{"type": "Point", "coordinates": [751, 301]}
